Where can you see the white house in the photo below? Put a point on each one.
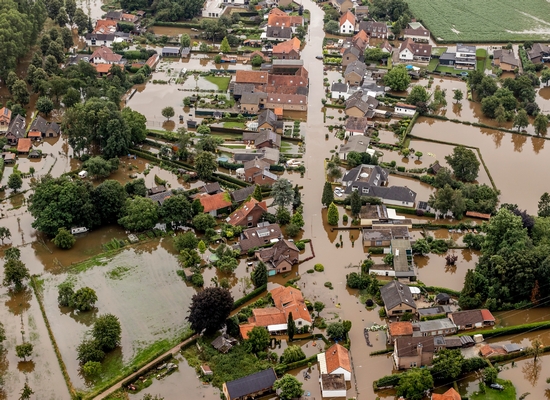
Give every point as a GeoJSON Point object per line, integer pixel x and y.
{"type": "Point", "coordinates": [332, 385]}
{"type": "Point", "coordinates": [105, 55]}
{"type": "Point", "coordinates": [465, 56]}
{"type": "Point", "coordinates": [335, 361]}
{"type": "Point", "coordinates": [339, 89]}
{"type": "Point", "coordinates": [347, 23]}
{"type": "Point", "coordinates": [412, 51]}
{"type": "Point", "coordinates": [404, 109]}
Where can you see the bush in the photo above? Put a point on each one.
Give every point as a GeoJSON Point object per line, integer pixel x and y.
{"type": "Point", "coordinates": [319, 267]}
{"type": "Point", "coordinates": [382, 312]}
{"type": "Point", "coordinates": [329, 285]}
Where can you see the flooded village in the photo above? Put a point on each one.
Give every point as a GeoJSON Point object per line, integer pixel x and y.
{"type": "Point", "coordinates": [272, 200]}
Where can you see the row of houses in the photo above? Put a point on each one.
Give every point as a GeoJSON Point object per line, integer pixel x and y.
{"type": "Point", "coordinates": [17, 134]}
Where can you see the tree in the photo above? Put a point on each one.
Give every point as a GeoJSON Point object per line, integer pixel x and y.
{"type": "Point", "coordinates": [332, 27]}
{"type": "Point", "coordinates": [209, 309]}
{"type": "Point", "coordinates": [15, 181]}
{"type": "Point", "coordinates": [297, 220]}
{"type": "Point", "coordinates": [545, 76]}
{"type": "Point", "coordinates": [464, 163]}
{"type": "Point", "coordinates": [398, 78]}
{"type": "Point", "coordinates": [458, 95]}
{"type": "Point", "coordinates": [15, 273]}
{"type": "Point", "coordinates": [291, 327]}
{"type": "Point", "coordinates": [469, 296]}
{"type": "Point", "coordinates": [418, 94]}
{"type": "Point", "coordinates": [136, 188]}
{"type": "Point", "coordinates": [84, 299]}
{"type": "Point", "coordinates": [140, 214]}
{"type": "Point", "coordinates": [328, 194]}
{"type": "Point", "coordinates": [414, 383]}
{"type": "Point", "coordinates": [91, 368]}
{"type": "Point", "coordinates": [258, 339]}
{"type": "Point", "coordinates": [201, 247]}
{"type": "Point", "coordinates": [64, 239]}
{"type": "Point", "coordinates": [256, 61]}
{"type": "Point", "coordinates": [282, 193]}
{"type": "Point", "coordinates": [289, 387]}
{"type": "Point", "coordinates": [65, 292]}
{"type": "Point", "coordinates": [136, 122]}
{"type": "Point", "coordinates": [185, 40]}
{"type": "Point", "coordinates": [107, 332]}
{"type": "Point", "coordinates": [259, 275]}
{"type": "Point", "coordinates": [333, 217]}
{"type": "Point", "coordinates": [186, 240]}
{"type": "Point", "coordinates": [544, 205]}
{"type": "Point", "coordinates": [421, 247]}
{"type": "Point", "coordinates": [89, 350]}
{"type": "Point", "coordinates": [203, 129]}
{"type": "Point", "coordinates": [282, 216]}
{"type": "Point", "coordinates": [71, 98]}
{"type": "Point", "coordinates": [318, 306]}
{"type": "Point", "coordinates": [447, 199]}
{"type": "Point", "coordinates": [536, 348]}
{"type": "Point", "coordinates": [224, 46]}
{"type": "Point", "coordinates": [257, 194]}
{"type": "Point", "coordinates": [227, 264]}
{"type": "Point", "coordinates": [374, 54]}
{"type": "Point", "coordinates": [12, 253]}
{"type": "Point", "coordinates": [26, 392]}
{"type": "Point", "coordinates": [4, 233]}
{"type": "Point", "coordinates": [336, 331]}
{"type": "Point", "coordinates": [418, 154]}
{"type": "Point", "coordinates": [541, 124]}
{"type": "Point", "coordinates": [44, 105]}
{"type": "Point", "coordinates": [355, 203]}
{"type": "Point", "coordinates": [205, 164]}
{"type": "Point", "coordinates": [490, 375]}
{"type": "Point", "coordinates": [292, 354]}
{"type": "Point", "coordinates": [2, 334]}
{"type": "Point", "coordinates": [176, 210]}
{"type": "Point", "coordinates": [168, 112]}
{"type": "Point", "coordinates": [447, 365]}
{"type": "Point", "coordinates": [202, 222]}
{"type": "Point", "coordinates": [24, 350]}
{"type": "Point", "coordinates": [109, 198]}
{"type": "Point", "coordinates": [500, 115]}
{"type": "Point", "coordinates": [521, 120]}
{"type": "Point", "coordinates": [19, 92]}
{"type": "Point", "coordinates": [81, 21]}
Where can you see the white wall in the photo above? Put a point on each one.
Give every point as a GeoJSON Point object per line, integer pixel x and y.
{"type": "Point", "coordinates": [404, 111]}
{"type": "Point", "coordinates": [347, 374]}
{"type": "Point", "coordinates": [347, 27]}
{"type": "Point", "coordinates": [406, 55]}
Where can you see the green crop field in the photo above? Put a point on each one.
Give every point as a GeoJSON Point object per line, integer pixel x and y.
{"type": "Point", "coordinates": [486, 21]}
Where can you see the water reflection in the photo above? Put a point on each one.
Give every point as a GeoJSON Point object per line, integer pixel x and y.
{"type": "Point", "coordinates": [18, 303]}
{"type": "Point", "coordinates": [531, 371]}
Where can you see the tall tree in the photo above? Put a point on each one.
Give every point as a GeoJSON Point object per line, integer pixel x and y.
{"type": "Point", "coordinates": [224, 46]}
{"type": "Point", "coordinates": [205, 164]}
{"type": "Point", "coordinates": [4, 233]}
{"type": "Point", "coordinates": [328, 194]}
{"type": "Point", "coordinates": [107, 332]}
{"type": "Point", "coordinates": [136, 122]}
{"type": "Point", "coordinates": [257, 194]}
{"type": "Point", "coordinates": [333, 216]}
{"type": "Point", "coordinates": [464, 163]}
{"type": "Point", "coordinates": [544, 205]}
{"type": "Point", "coordinates": [447, 365]}
{"type": "Point", "coordinates": [541, 124]}
{"type": "Point", "coordinates": [414, 383]}
{"type": "Point", "coordinates": [209, 309]}
{"type": "Point", "coordinates": [84, 299]}
{"type": "Point", "coordinates": [259, 275]}
{"type": "Point", "coordinates": [140, 214]}
{"type": "Point", "coordinates": [26, 392]}
{"type": "Point", "coordinates": [185, 40]}
{"type": "Point", "coordinates": [168, 112]}
{"type": "Point", "coordinates": [291, 327]}
{"type": "Point", "coordinates": [355, 203]}
{"type": "Point", "coordinates": [521, 120]}
{"type": "Point", "coordinates": [282, 193]}
{"type": "Point", "coordinates": [289, 386]}
{"type": "Point", "coordinates": [398, 78]}
{"type": "Point", "coordinates": [258, 339]}
{"type": "Point", "coordinates": [24, 350]}
{"type": "Point", "coordinates": [15, 181]}
{"type": "Point", "coordinates": [15, 273]}
{"type": "Point", "coordinates": [109, 198]}
{"type": "Point", "coordinates": [176, 210]}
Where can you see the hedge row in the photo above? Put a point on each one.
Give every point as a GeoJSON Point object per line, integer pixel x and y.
{"type": "Point", "coordinates": [256, 292]}
{"type": "Point", "coordinates": [376, 250]}
{"type": "Point", "coordinates": [438, 289]}
{"type": "Point", "coordinates": [387, 381]}
{"type": "Point", "coordinates": [379, 352]}
{"type": "Point", "coordinates": [404, 210]}
{"type": "Point", "coordinates": [177, 24]}
{"type": "Point", "coordinates": [282, 368]}
{"type": "Point", "coordinates": [1, 168]}
{"type": "Point", "coordinates": [510, 330]}
{"type": "Point", "coordinates": [168, 138]}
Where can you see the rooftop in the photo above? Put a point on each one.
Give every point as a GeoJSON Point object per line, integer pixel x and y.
{"type": "Point", "coordinates": [333, 382]}
{"type": "Point", "coordinates": [251, 384]}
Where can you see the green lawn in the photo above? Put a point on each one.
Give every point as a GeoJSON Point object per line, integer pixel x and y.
{"type": "Point", "coordinates": [238, 125]}
{"type": "Point", "coordinates": [221, 81]}
{"type": "Point", "coordinates": [509, 392]}
{"type": "Point", "coordinates": [434, 62]}
{"type": "Point", "coordinates": [437, 51]}
{"type": "Point", "coordinates": [449, 70]}
{"type": "Point", "coordinates": [485, 21]}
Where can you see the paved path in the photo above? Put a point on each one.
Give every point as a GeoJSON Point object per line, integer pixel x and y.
{"type": "Point", "coordinates": [173, 351]}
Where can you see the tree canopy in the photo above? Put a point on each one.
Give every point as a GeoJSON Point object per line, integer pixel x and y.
{"type": "Point", "coordinates": [209, 309]}
{"type": "Point", "coordinates": [464, 163]}
{"type": "Point", "coordinates": [414, 383]}
{"type": "Point", "coordinates": [289, 386]}
{"type": "Point", "coordinates": [398, 78]}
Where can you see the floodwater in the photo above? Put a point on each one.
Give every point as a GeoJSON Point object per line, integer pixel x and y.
{"type": "Point", "coordinates": [507, 156]}
{"type": "Point", "coordinates": [434, 271]}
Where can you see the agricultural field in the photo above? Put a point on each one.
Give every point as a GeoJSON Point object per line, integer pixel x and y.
{"type": "Point", "coordinates": [486, 21]}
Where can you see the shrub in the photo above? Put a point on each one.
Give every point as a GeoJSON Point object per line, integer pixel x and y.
{"type": "Point", "coordinates": [329, 285]}
{"type": "Point", "coordinates": [319, 267]}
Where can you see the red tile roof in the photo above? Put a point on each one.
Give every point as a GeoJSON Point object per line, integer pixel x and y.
{"type": "Point", "coordinates": [24, 145]}
{"type": "Point", "coordinates": [290, 300]}
{"type": "Point", "coordinates": [5, 115]}
{"type": "Point", "coordinates": [105, 26]}
{"type": "Point", "coordinates": [347, 16]}
{"type": "Point", "coordinates": [152, 61]}
{"type": "Point", "coordinates": [287, 46]}
{"type": "Point", "coordinates": [245, 328]}
{"type": "Point", "coordinates": [251, 77]}
{"type": "Point", "coordinates": [269, 316]}
{"type": "Point", "coordinates": [450, 394]}
{"type": "Point", "coordinates": [403, 328]}
{"type": "Point", "coordinates": [280, 18]}
{"type": "Point", "coordinates": [102, 68]}
{"type": "Point", "coordinates": [34, 134]}
{"type": "Point", "coordinates": [475, 214]}
{"type": "Point", "coordinates": [337, 356]}
{"type": "Point", "coordinates": [106, 54]}
{"type": "Point", "coordinates": [215, 202]}
{"type": "Point", "coordinates": [486, 315]}
{"type": "Point", "coordinates": [246, 209]}
{"type": "Point", "coordinates": [278, 111]}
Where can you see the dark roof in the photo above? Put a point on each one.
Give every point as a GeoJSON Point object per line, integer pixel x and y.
{"type": "Point", "coordinates": [279, 32]}
{"type": "Point", "coordinates": [39, 124]}
{"type": "Point", "coordinates": [357, 124]}
{"type": "Point", "coordinates": [448, 56]}
{"type": "Point", "coordinates": [256, 237]}
{"type": "Point", "coordinates": [17, 126]}
{"type": "Point", "coordinates": [462, 48]}
{"type": "Point", "coordinates": [407, 346]}
{"type": "Point", "coordinates": [461, 318]}
{"type": "Point", "coordinates": [267, 116]}
{"type": "Point", "coordinates": [358, 67]}
{"type": "Point", "coordinates": [442, 297]}
{"type": "Point", "coordinates": [257, 382]}
{"type": "Point", "coordinates": [398, 193]}
{"type": "Point", "coordinates": [375, 175]}
{"type": "Point", "coordinates": [113, 15]}
{"type": "Point", "coordinates": [223, 343]}
{"type": "Point", "coordinates": [252, 98]}
{"type": "Point", "coordinates": [241, 88]}
{"type": "Point", "coordinates": [211, 188]}
{"type": "Point", "coordinates": [377, 234]}
{"type": "Point", "coordinates": [374, 211]}
{"type": "Point", "coordinates": [246, 156]}
{"type": "Point", "coordinates": [241, 195]}
{"type": "Point", "coordinates": [160, 197]}
{"type": "Point", "coordinates": [355, 51]}
{"type": "Point", "coordinates": [395, 293]}
{"type": "Point", "coordinates": [372, 26]}
{"type": "Point", "coordinates": [339, 87]}
{"type": "Point", "coordinates": [436, 310]}
{"type": "Point", "coordinates": [262, 137]}
{"type": "Point", "coordinates": [506, 56]}
{"type": "Point", "coordinates": [333, 382]}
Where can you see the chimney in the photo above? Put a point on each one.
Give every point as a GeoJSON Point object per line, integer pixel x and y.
{"type": "Point", "coordinates": [419, 351]}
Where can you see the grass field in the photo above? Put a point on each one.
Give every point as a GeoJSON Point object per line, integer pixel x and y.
{"type": "Point", "coordinates": [487, 21]}
{"type": "Point", "coordinates": [221, 81]}
{"type": "Point", "coordinates": [509, 392]}
{"type": "Point", "coordinates": [238, 125]}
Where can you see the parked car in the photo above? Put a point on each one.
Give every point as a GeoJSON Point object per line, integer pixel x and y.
{"type": "Point", "coordinates": [319, 57]}
{"type": "Point", "coordinates": [496, 386]}
{"type": "Point", "coordinates": [337, 193]}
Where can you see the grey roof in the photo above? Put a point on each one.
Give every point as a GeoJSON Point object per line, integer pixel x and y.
{"type": "Point", "coordinates": [223, 343]}
{"type": "Point", "coordinates": [357, 124]}
{"type": "Point", "coordinates": [17, 127]}
{"type": "Point", "coordinates": [339, 87]}
{"type": "Point", "coordinates": [211, 188]}
{"type": "Point", "coordinates": [258, 236]}
{"type": "Point", "coordinates": [356, 66]}
{"type": "Point", "coordinates": [406, 346]}
{"type": "Point", "coordinates": [39, 124]}
{"type": "Point", "coordinates": [377, 234]}
{"type": "Point", "coordinates": [262, 137]}
{"type": "Point", "coordinates": [241, 195]}
{"type": "Point", "coordinates": [333, 382]}
{"type": "Point", "coordinates": [397, 193]}
{"type": "Point", "coordinates": [279, 32]}
{"type": "Point", "coordinates": [395, 293]}
{"type": "Point", "coordinates": [371, 174]}
{"type": "Point", "coordinates": [448, 56]}
{"type": "Point", "coordinates": [256, 163]}
{"type": "Point", "coordinates": [511, 347]}
{"type": "Point", "coordinates": [538, 50]}
{"type": "Point", "coordinates": [113, 15]}
{"type": "Point", "coordinates": [171, 50]}
{"type": "Point", "coordinates": [241, 88]}
{"type": "Point", "coordinates": [374, 211]}
{"type": "Point", "coordinates": [355, 51]}
{"type": "Point", "coordinates": [462, 48]}
{"type": "Point", "coordinates": [361, 100]}
{"type": "Point", "coordinates": [422, 312]}
{"type": "Point", "coordinates": [257, 382]}
{"type": "Point", "coordinates": [506, 56]}
{"type": "Point", "coordinates": [252, 98]}
{"type": "Point", "coordinates": [434, 325]}
{"type": "Point", "coordinates": [361, 10]}
{"type": "Point", "coordinates": [372, 26]}
{"type": "Point", "coordinates": [359, 144]}
{"type": "Point", "coordinates": [246, 156]}
{"type": "Point", "coordinates": [266, 116]}
{"type": "Point", "coordinates": [442, 297]}
{"type": "Point", "coordinates": [161, 197]}
{"type": "Point", "coordinates": [284, 63]}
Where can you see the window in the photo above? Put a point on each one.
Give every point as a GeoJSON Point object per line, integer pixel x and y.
{"type": "Point", "coordinates": [413, 364]}
{"type": "Point", "coordinates": [379, 243]}
{"type": "Point", "coordinates": [299, 323]}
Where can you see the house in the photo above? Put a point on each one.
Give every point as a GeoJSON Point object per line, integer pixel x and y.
{"type": "Point", "coordinates": [404, 109]}
{"type": "Point", "coordinates": [113, 15]}
{"type": "Point", "coordinates": [205, 369]}
{"type": "Point", "coordinates": [268, 120]}
{"type": "Point", "coordinates": [214, 204]}
{"type": "Point", "coordinates": [372, 212]}
{"type": "Point", "coordinates": [403, 266]}
{"type": "Point", "coordinates": [355, 72]}
{"type": "Point", "coordinates": [361, 12]}
{"type": "Point", "coordinates": [386, 47]}
{"type": "Point", "coordinates": [450, 394]}
{"type": "Point", "coordinates": [335, 361]}
{"type": "Point", "coordinates": [505, 60]}
{"type": "Point", "coordinates": [390, 222]}
{"type": "Point", "coordinates": [539, 53]}
{"type": "Point", "coordinates": [442, 299]}
{"type": "Point", "coordinates": [161, 197]}
{"type": "Point", "coordinates": [351, 54]}
{"type": "Point", "coordinates": [287, 50]}
{"type": "Point", "coordinates": [103, 26]}
{"type": "Point", "coordinates": [238, 89]}
{"type": "Point", "coordinates": [249, 214]}
{"type": "Point", "coordinates": [411, 352]}
{"type": "Point", "coordinates": [211, 188]}
{"type": "Point", "coordinates": [413, 51]}
{"type": "Point", "coordinates": [342, 5]}
{"type": "Point", "coordinates": [356, 144]}
{"type": "Point", "coordinates": [397, 299]}
{"type": "Point", "coordinates": [251, 386]}
{"type": "Point", "coordinates": [250, 102]}
{"type": "Point", "coordinates": [45, 128]}
{"type": "Point", "coordinates": [280, 257]}
{"type": "Point", "coordinates": [382, 237]}
{"type": "Point", "coordinates": [240, 195]}
{"type": "Point", "coordinates": [378, 30]}
{"type": "Point", "coordinates": [447, 58]}
{"type": "Point", "coordinates": [365, 176]}
{"type": "Point", "coordinates": [24, 145]}
{"type": "Point", "coordinates": [276, 33]}
{"type": "Point", "coordinates": [265, 138]}
{"type": "Point", "coordinates": [436, 327]}
{"type": "Point", "coordinates": [276, 17]}
{"type": "Point", "coordinates": [261, 235]}
{"type": "Point", "coordinates": [339, 90]}
{"type": "Point", "coordinates": [224, 343]}
{"type": "Point", "coordinates": [105, 55]}
{"type": "Point", "coordinates": [360, 40]}
{"type": "Point", "coordinates": [156, 189]}
{"type": "Point", "coordinates": [5, 118]}
{"type": "Point", "coordinates": [465, 56]}
{"type": "Point", "coordinates": [257, 78]}
{"type": "Point", "coordinates": [472, 319]}
{"type": "Point", "coordinates": [16, 130]}
{"type": "Point", "coordinates": [432, 312]}
{"type": "Point", "coordinates": [359, 104]}
{"type": "Point", "coordinates": [129, 18]}
{"type": "Point", "coordinates": [399, 329]}
{"type": "Point", "coordinates": [8, 157]}
{"type": "Point", "coordinates": [292, 102]}
{"type": "Point", "coordinates": [257, 171]}
{"type": "Point", "coordinates": [333, 385]}
{"type": "Point", "coordinates": [171, 51]}
{"type": "Point", "coordinates": [357, 126]}
{"type": "Point", "coordinates": [106, 39]}
{"type": "Point", "coordinates": [347, 23]}
{"type": "Point", "coordinates": [417, 34]}
{"type": "Point", "coordinates": [489, 351]}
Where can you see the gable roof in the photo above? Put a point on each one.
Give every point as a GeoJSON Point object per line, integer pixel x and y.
{"type": "Point", "coordinates": [406, 346]}
{"type": "Point", "coordinates": [263, 136]}
{"type": "Point", "coordinates": [290, 300]}
{"type": "Point", "coordinates": [287, 46]}
{"type": "Point", "coordinates": [417, 49]}
{"type": "Point", "coordinates": [283, 32]}
{"type": "Point", "coordinates": [339, 87]}
{"type": "Point", "coordinates": [395, 293]}
{"type": "Point", "coordinates": [267, 116]}
{"type": "Point", "coordinates": [279, 98]}
{"type": "Point", "coordinates": [5, 114]}
{"type": "Point", "coordinates": [242, 212]}
{"type": "Point", "coordinates": [353, 50]}
{"type": "Point", "coordinates": [17, 126]}
{"type": "Point", "coordinates": [277, 17]}
{"type": "Point", "coordinates": [256, 163]}
{"type": "Point", "coordinates": [24, 145]}
{"type": "Point", "coordinates": [462, 318]}
{"type": "Point", "coordinates": [337, 356]}
{"type": "Point", "coordinates": [347, 16]}
{"type": "Point", "coordinates": [357, 124]}
{"type": "Point", "coordinates": [373, 27]}
{"type": "Point", "coordinates": [420, 31]}
{"type": "Point", "coordinates": [242, 194]}
{"type": "Point", "coordinates": [356, 66]}
{"type": "Point", "coordinates": [258, 236]}
{"type": "Point", "coordinates": [401, 328]}
{"type": "Point", "coordinates": [106, 54]}
{"type": "Point", "coordinates": [257, 382]}
{"type": "Point", "coordinates": [450, 394]}
{"type": "Point", "coordinates": [258, 77]}
{"type": "Point", "coordinates": [105, 26]}
{"type": "Point", "coordinates": [215, 202]}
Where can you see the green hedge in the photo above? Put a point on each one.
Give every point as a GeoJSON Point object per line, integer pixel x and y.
{"type": "Point", "coordinates": [282, 368]}
{"type": "Point", "coordinates": [510, 330]}
{"type": "Point", "coordinates": [387, 381]}
{"type": "Point", "coordinates": [376, 250]}
{"type": "Point", "coordinates": [1, 168]}
{"type": "Point", "coordinates": [249, 296]}
{"type": "Point", "coordinates": [438, 289]}
{"type": "Point", "coordinates": [177, 24]}
{"type": "Point", "coordinates": [379, 352]}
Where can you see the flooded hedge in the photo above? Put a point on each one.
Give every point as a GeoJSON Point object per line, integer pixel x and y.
{"type": "Point", "coordinates": [256, 292]}
{"type": "Point", "coordinates": [510, 330]}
